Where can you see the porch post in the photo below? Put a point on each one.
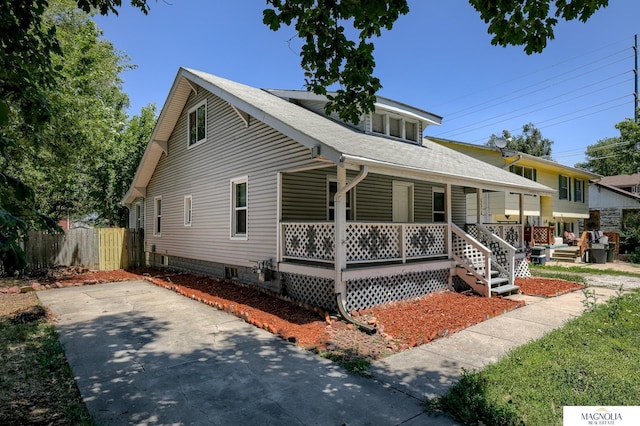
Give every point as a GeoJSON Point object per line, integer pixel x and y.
{"type": "Point", "coordinates": [521, 222]}
{"type": "Point", "coordinates": [447, 208]}
{"type": "Point", "coordinates": [340, 218]}
{"type": "Point", "coordinates": [479, 206]}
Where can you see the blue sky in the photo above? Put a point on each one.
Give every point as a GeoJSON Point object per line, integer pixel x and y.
{"type": "Point", "coordinates": [438, 58]}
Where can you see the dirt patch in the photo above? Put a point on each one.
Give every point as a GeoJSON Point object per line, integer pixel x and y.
{"type": "Point", "coordinates": [400, 325]}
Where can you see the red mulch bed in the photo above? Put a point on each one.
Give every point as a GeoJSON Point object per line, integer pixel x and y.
{"type": "Point", "coordinates": [400, 325]}
{"type": "Point", "coordinates": [546, 287]}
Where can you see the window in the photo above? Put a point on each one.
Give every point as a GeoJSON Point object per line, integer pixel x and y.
{"type": "Point", "coordinates": [332, 188]}
{"type": "Point", "coordinates": [188, 210]}
{"type": "Point", "coordinates": [239, 208]}
{"type": "Point", "coordinates": [139, 212]}
{"type": "Point", "coordinates": [439, 213]}
{"type": "Point", "coordinates": [197, 124]}
{"type": "Point", "coordinates": [411, 131]}
{"type": "Point", "coordinates": [526, 172]}
{"type": "Point", "coordinates": [157, 213]}
{"type": "Point", "coordinates": [394, 125]}
{"type": "Point", "coordinates": [378, 122]}
{"type": "Point", "coordinates": [564, 190]}
{"type": "Point", "coordinates": [578, 190]}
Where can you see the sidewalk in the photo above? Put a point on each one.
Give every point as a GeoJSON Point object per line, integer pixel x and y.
{"type": "Point", "coordinates": [430, 370]}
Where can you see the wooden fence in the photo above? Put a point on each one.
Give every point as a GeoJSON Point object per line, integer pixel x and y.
{"type": "Point", "coordinates": [101, 249]}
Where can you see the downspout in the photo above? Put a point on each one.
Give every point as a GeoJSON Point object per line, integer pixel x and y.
{"type": "Point", "coordinates": [506, 166]}
{"type": "Point", "coordinates": [340, 287]}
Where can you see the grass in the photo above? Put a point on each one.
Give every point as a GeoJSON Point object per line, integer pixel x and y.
{"type": "Point", "coordinates": [37, 386]}
{"type": "Point", "coordinates": [593, 360]}
{"type": "Point", "coordinates": [543, 270]}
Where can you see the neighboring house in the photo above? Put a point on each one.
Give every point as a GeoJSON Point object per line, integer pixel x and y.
{"type": "Point", "coordinates": [611, 199]}
{"type": "Point", "coordinates": [259, 185]}
{"type": "Point", "coordinates": [564, 210]}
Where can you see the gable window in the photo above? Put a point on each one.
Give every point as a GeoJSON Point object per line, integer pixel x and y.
{"type": "Point", "coordinates": [188, 210]}
{"type": "Point", "coordinates": [411, 131]}
{"type": "Point", "coordinates": [439, 213]}
{"type": "Point", "coordinates": [197, 124]}
{"type": "Point", "coordinates": [564, 189]}
{"type": "Point", "coordinates": [578, 190]}
{"type": "Point", "coordinates": [239, 208]}
{"type": "Point", "coordinates": [139, 216]}
{"type": "Point", "coordinates": [394, 125]}
{"type": "Point", "coordinates": [527, 172]}
{"type": "Point", "coordinates": [157, 214]}
{"type": "Point", "coordinates": [378, 123]}
{"type": "Point", "coordinates": [332, 188]}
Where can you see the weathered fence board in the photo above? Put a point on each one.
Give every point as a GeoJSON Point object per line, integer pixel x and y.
{"type": "Point", "coordinates": [103, 249]}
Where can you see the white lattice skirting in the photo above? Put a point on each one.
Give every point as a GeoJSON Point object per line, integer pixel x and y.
{"type": "Point", "coordinates": [364, 293]}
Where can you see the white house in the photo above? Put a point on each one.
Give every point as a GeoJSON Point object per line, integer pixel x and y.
{"type": "Point", "coordinates": [263, 187]}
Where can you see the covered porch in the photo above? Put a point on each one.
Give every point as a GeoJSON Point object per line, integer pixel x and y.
{"type": "Point", "coordinates": [401, 236]}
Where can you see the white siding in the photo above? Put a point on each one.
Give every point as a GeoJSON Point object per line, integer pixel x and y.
{"type": "Point", "coordinates": [232, 150]}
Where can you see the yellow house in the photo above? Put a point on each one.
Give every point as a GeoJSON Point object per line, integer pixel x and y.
{"type": "Point", "coordinates": [560, 212]}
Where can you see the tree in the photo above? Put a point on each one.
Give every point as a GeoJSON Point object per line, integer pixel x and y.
{"type": "Point", "coordinates": [329, 57]}
{"type": "Point", "coordinates": [28, 79]}
{"type": "Point", "coordinates": [616, 155]}
{"type": "Point", "coordinates": [529, 142]}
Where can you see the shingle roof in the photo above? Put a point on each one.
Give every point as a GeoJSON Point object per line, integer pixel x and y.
{"type": "Point", "coordinates": [621, 180]}
{"type": "Point", "coordinates": [340, 143]}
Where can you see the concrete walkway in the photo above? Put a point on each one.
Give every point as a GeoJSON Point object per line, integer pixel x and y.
{"type": "Point", "coordinates": [145, 355]}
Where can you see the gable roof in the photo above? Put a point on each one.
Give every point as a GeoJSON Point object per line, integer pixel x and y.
{"type": "Point", "coordinates": [337, 143]}
{"type": "Point", "coordinates": [633, 196]}
{"type": "Point", "coordinates": [532, 158]}
{"type": "Point", "coordinates": [621, 180]}
{"type": "Point", "coordinates": [381, 102]}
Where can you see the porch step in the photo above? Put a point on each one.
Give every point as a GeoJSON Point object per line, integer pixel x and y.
{"type": "Point", "coordinates": [509, 288]}
{"type": "Point", "coordinates": [569, 254]}
{"type": "Point", "coordinates": [496, 282]}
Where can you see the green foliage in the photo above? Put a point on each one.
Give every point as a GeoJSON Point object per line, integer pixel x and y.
{"type": "Point", "coordinates": [590, 361]}
{"type": "Point", "coordinates": [30, 79]}
{"type": "Point", "coordinates": [529, 142]}
{"type": "Point", "coordinates": [329, 56]}
{"type": "Point", "coordinates": [530, 23]}
{"type": "Point", "coordinates": [617, 155]}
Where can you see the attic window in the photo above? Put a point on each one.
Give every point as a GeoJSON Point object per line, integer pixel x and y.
{"type": "Point", "coordinates": [394, 125]}
{"type": "Point", "coordinates": [378, 122]}
{"type": "Point", "coordinates": [197, 124]}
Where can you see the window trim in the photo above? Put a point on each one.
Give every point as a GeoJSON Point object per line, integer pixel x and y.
{"type": "Point", "coordinates": [233, 209]}
{"type": "Point", "coordinates": [576, 181]}
{"type": "Point", "coordinates": [157, 216]}
{"type": "Point", "coordinates": [139, 215]}
{"type": "Point", "coordinates": [352, 200]}
{"type": "Point", "coordinates": [435, 190]}
{"type": "Point", "coordinates": [189, 112]}
{"type": "Point", "coordinates": [534, 172]}
{"type": "Point", "coordinates": [561, 188]}
{"type": "Point", "coordinates": [188, 219]}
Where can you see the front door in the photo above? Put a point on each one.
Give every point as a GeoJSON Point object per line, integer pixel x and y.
{"type": "Point", "coordinates": [402, 202]}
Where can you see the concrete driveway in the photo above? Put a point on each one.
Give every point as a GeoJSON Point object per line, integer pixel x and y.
{"type": "Point", "coordinates": [145, 355]}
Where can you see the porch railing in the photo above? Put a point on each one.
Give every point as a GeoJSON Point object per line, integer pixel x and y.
{"type": "Point", "coordinates": [512, 233]}
{"type": "Point", "coordinates": [502, 253]}
{"type": "Point", "coordinates": [475, 258]}
{"type": "Point", "coordinates": [539, 235]}
{"type": "Point", "coordinates": [366, 242]}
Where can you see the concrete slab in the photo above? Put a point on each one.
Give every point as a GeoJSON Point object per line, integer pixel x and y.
{"type": "Point", "coordinates": [166, 359]}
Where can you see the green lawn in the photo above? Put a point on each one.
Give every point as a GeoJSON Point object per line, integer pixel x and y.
{"type": "Point", "coordinates": [593, 360]}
